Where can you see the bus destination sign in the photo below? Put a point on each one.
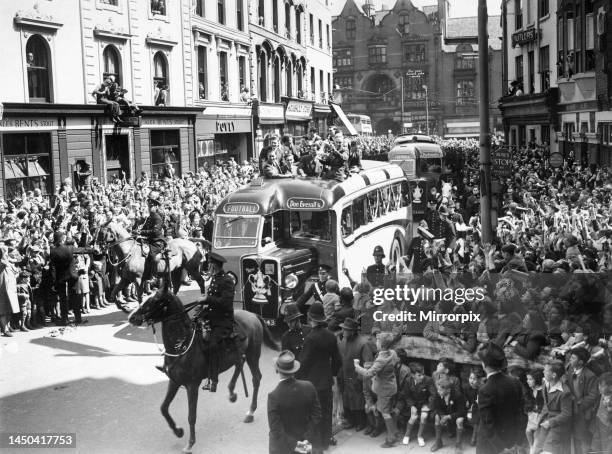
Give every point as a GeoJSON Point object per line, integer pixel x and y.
{"type": "Point", "coordinates": [303, 203]}
{"type": "Point", "coordinates": [241, 208]}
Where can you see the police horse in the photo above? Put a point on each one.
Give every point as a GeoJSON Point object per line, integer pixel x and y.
{"type": "Point", "coordinates": [186, 353]}
{"type": "Point", "coordinates": [128, 254]}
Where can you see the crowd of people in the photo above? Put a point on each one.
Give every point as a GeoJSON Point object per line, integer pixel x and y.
{"type": "Point", "coordinates": [31, 226]}
{"type": "Point", "coordinates": [546, 315]}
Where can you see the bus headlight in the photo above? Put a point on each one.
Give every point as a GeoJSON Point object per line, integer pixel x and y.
{"type": "Point", "coordinates": [291, 281]}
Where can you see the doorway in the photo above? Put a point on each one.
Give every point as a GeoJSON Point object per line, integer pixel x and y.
{"type": "Point", "coordinates": [117, 156]}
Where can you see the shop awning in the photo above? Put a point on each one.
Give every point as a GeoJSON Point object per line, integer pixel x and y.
{"type": "Point", "coordinates": [298, 110]}
{"type": "Point", "coordinates": [463, 129]}
{"type": "Point", "coordinates": [345, 121]}
{"type": "Point", "coordinates": [271, 114]}
{"type": "Point", "coordinates": [35, 169]}
{"type": "Point", "coordinates": [321, 110]}
{"type": "Point", "coordinates": [12, 170]}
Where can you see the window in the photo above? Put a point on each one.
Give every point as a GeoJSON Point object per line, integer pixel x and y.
{"type": "Point", "coordinates": [298, 26]}
{"type": "Point", "coordinates": [589, 40]}
{"type": "Point", "coordinates": [322, 86]}
{"type": "Point", "coordinates": [465, 62]}
{"type": "Point", "coordinates": [160, 78]}
{"type": "Point", "coordinates": [261, 9]}
{"type": "Point", "coordinates": [262, 69]}
{"type": "Point", "coordinates": [299, 75]}
{"type": "Point", "coordinates": [465, 92]}
{"type": "Point", "coordinates": [225, 95]}
{"type": "Point", "coordinates": [518, 64]}
{"type": "Point", "coordinates": [200, 7]}
{"type": "Point", "coordinates": [311, 29]}
{"type": "Point", "coordinates": [579, 41]}
{"type": "Point", "coordinates": [158, 7]}
{"type": "Point", "coordinates": [27, 164]}
{"type": "Point", "coordinates": [165, 153]}
{"type": "Point", "coordinates": [518, 13]}
{"type": "Point", "coordinates": [312, 83]}
{"type": "Point", "coordinates": [403, 25]}
{"type": "Point", "coordinates": [544, 134]}
{"type": "Point", "coordinates": [320, 34]}
{"type": "Point", "coordinates": [343, 57]}
{"type": "Point", "coordinates": [351, 29]}
{"type": "Point", "coordinates": [289, 78]}
{"type": "Point", "coordinates": [415, 53]}
{"type": "Point", "coordinates": [37, 55]}
{"type": "Point", "coordinates": [377, 54]}
{"type": "Point", "coordinates": [236, 231]}
{"type": "Point", "coordinates": [287, 21]}
{"type": "Point", "coordinates": [414, 86]}
{"type": "Point", "coordinates": [275, 15]}
{"type": "Point", "coordinates": [109, 2]}
{"type": "Point", "coordinates": [242, 73]}
{"type": "Point", "coordinates": [344, 82]}
{"type": "Point", "coordinates": [544, 68]}
{"type": "Point", "coordinates": [328, 86]}
{"type": "Point", "coordinates": [276, 78]}
{"type": "Point", "coordinates": [531, 71]}
{"type": "Point", "coordinates": [112, 63]}
{"type": "Point", "coordinates": [313, 225]}
{"type": "Point", "coordinates": [239, 15]}
{"type": "Point", "coordinates": [202, 73]}
{"type": "Point", "coordinates": [221, 11]}
{"type": "Point", "coordinates": [543, 7]}
{"type": "Point", "coordinates": [327, 40]}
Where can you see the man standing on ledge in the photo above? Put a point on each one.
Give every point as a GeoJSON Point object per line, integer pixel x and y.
{"type": "Point", "coordinates": [500, 404]}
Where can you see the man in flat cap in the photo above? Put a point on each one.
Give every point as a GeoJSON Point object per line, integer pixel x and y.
{"type": "Point", "coordinates": [500, 403]}
{"type": "Point", "coordinates": [316, 290]}
{"type": "Point", "coordinates": [293, 408]}
{"type": "Point", "coordinates": [218, 308]}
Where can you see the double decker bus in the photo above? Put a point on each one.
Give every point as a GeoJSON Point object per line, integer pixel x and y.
{"type": "Point", "coordinates": [362, 124]}
{"type": "Point", "coordinates": [274, 230]}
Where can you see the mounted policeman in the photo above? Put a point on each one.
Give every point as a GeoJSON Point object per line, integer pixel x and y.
{"type": "Point", "coordinates": [217, 307]}
{"type": "Point", "coordinates": [153, 232]}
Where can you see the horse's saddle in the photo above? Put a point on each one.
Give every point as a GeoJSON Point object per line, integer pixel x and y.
{"type": "Point", "coordinates": [235, 339]}
{"type": "Point", "coordinates": [145, 247]}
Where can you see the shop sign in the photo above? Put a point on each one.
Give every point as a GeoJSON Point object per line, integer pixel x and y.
{"type": "Point", "coordinates": [272, 112]}
{"type": "Point", "coordinates": [525, 36]}
{"type": "Point", "coordinates": [303, 203]}
{"type": "Point", "coordinates": [297, 110]}
{"type": "Point", "coordinates": [241, 208]}
{"type": "Point", "coordinates": [501, 160]}
{"type": "Point", "coordinates": [163, 122]}
{"type": "Point", "coordinates": [28, 123]}
{"type": "Point", "coordinates": [555, 160]}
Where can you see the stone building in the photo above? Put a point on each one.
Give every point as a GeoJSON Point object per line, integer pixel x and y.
{"type": "Point", "coordinates": [434, 55]}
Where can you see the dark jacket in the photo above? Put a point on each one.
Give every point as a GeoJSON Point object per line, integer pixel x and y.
{"type": "Point", "coordinates": [153, 229]}
{"type": "Point", "coordinates": [220, 300]}
{"type": "Point", "coordinates": [455, 407]}
{"type": "Point", "coordinates": [293, 412]}
{"type": "Point", "coordinates": [500, 405]}
{"type": "Point", "coordinates": [321, 359]}
{"type": "Point", "coordinates": [293, 340]}
{"type": "Point", "coordinates": [585, 393]}
{"type": "Point", "coordinates": [316, 290]}
{"type": "Point", "coordinates": [60, 260]}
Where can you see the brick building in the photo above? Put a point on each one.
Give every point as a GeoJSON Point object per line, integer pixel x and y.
{"type": "Point", "coordinates": [434, 55]}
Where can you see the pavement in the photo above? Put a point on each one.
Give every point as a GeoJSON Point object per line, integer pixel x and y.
{"type": "Point", "coordinates": [98, 381]}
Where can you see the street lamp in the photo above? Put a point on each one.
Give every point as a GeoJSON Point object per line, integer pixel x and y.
{"type": "Point", "coordinates": [426, 108]}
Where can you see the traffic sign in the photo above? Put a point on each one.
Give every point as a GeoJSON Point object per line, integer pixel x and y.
{"type": "Point", "coordinates": [501, 160]}
{"type": "Point", "coordinates": [555, 160]}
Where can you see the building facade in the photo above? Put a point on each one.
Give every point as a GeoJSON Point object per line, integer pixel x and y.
{"type": "Point", "coordinates": [199, 70]}
{"type": "Point", "coordinates": [433, 56]}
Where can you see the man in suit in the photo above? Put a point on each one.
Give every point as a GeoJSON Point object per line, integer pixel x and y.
{"type": "Point", "coordinates": [272, 168]}
{"type": "Point", "coordinates": [321, 362]}
{"type": "Point", "coordinates": [583, 385]}
{"type": "Point", "coordinates": [500, 404]}
{"type": "Point", "coordinates": [61, 257]}
{"type": "Point", "coordinates": [293, 408]}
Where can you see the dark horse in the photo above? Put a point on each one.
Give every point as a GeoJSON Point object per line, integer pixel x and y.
{"type": "Point", "coordinates": [186, 353]}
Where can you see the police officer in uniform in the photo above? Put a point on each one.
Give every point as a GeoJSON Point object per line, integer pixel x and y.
{"type": "Point", "coordinates": [153, 231]}
{"type": "Point", "coordinates": [376, 273]}
{"type": "Point", "coordinates": [293, 338]}
{"type": "Point", "coordinates": [416, 249]}
{"type": "Point", "coordinates": [316, 290]}
{"type": "Point", "coordinates": [218, 309]}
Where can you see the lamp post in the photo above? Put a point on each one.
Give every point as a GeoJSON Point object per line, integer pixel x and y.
{"type": "Point", "coordinates": [426, 108]}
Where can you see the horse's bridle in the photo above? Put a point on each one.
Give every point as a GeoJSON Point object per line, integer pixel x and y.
{"type": "Point", "coordinates": [108, 246]}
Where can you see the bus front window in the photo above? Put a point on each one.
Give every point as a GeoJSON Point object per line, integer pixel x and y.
{"type": "Point", "coordinates": [313, 225]}
{"type": "Point", "coordinates": [236, 231]}
{"type": "Point", "coordinates": [431, 165]}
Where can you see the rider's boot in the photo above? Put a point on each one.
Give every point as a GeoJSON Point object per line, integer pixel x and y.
{"type": "Point", "coordinates": [213, 371]}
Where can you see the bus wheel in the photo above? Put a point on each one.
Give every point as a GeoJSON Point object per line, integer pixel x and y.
{"type": "Point", "coordinates": [396, 251]}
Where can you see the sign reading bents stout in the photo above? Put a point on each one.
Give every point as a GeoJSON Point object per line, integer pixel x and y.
{"type": "Point", "coordinates": [555, 160]}
{"type": "Point", "coordinates": [241, 208]}
{"type": "Point", "coordinates": [526, 36]}
{"type": "Point", "coordinates": [501, 160]}
{"type": "Point", "coordinates": [303, 203]}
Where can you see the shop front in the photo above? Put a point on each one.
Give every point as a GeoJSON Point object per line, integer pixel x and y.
{"type": "Point", "coordinates": [604, 134]}
{"type": "Point", "coordinates": [224, 132]}
{"type": "Point", "coordinates": [42, 145]}
{"type": "Point", "coordinates": [298, 115]}
{"type": "Point", "coordinates": [269, 119]}
{"type": "Point", "coordinates": [461, 129]}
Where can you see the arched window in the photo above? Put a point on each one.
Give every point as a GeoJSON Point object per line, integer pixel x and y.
{"type": "Point", "coordinates": [403, 24]}
{"type": "Point", "coordinates": [160, 78]}
{"type": "Point", "coordinates": [262, 68]}
{"type": "Point", "coordinates": [276, 74]}
{"type": "Point", "coordinates": [351, 29]}
{"type": "Point", "coordinates": [37, 58]}
{"type": "Point", "coordinates": [299, 75]}
{"type": "Point", "coordinates": [287, 21]}
{"type": "Point", "coordinates": [289, 77]}
{"type": "Point", "coordinates": [112, 63]}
